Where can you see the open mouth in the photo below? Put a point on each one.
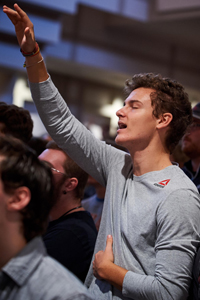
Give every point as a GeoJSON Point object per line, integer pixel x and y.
{"type": "Point", "coordinates": [121, 126]}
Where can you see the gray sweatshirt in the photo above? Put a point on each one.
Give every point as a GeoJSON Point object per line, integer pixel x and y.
{"type": "Point", "coordinates": [154, 218]}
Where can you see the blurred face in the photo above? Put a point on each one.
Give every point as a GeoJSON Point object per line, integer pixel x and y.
{"type": "Point", "coordinates": [2, 129]}
{"type": "Point", "coordinates": [136, 121]}
{"type": "Point", "coordinates": [191, 140]}
{"type": "Point", "coordinates": [3, 207]}
{"type": "Point", "coordinates": [3, 201]}
{"type": "Point", "coordinates": [56, 159]}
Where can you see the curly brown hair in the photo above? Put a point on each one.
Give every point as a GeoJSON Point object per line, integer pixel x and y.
{"type": "Point", "coordinates": [16, 121]}
{"type": "Point", "coordinates": [169, 96]}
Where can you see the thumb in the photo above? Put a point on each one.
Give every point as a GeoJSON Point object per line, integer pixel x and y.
{"type": "Point", "coordinates": [29, 40]}
{"type": "Point", "coordinates": [29, 34]}
{"type": "Point", "coordinates": [109, 242]}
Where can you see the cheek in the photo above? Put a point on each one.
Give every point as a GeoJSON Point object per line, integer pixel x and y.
{"type": "Point", "coordinates": [196, 140]}
{"type": "Point", "coordinates": [55, 180]}
{"type": "Point", "coordinates": [195, 136]}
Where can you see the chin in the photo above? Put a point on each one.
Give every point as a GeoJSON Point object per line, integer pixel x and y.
{"type": "Point", "coordinates": [186, 148]}
{"type": "Point", "coordinates": [119, 142]}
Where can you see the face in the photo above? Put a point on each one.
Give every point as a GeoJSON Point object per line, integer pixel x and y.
{"type": "Point", "coordinates": [191, 140]}
{"type": "Point", "coordinates": [2, 128]}
{"type": "Point", "coordinates": [56, 159]}
{"type": "Point", "coordinates": [136, 125]}
{"type": "Point", "coordinates": [4, 198]}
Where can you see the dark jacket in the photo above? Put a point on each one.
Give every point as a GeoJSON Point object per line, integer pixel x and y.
{"type": "Point", "coordinates": [195, 177]}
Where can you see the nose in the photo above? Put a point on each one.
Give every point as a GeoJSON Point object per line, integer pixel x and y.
{"type": "Point", "coordinates": [120, 112]}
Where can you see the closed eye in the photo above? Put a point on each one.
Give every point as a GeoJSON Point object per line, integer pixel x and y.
{"type": "Point", "coordinates": [133, 103]}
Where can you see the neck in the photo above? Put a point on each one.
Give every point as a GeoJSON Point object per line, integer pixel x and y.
{"type": "Point", "coordinates": [148, 161]}
{"type": "Point", "coordinates": [195, 163]}
{"type": "Point", "coordinates": [68, 212]}
{"type": "Point", "coordinates": [12, 242]}
{"type": "Point", "coordinates": [65, 206]}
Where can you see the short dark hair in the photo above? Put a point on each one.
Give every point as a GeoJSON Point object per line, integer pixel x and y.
{"type": "Point", "coordinates": [17, 121]}
{"type": "Point", "coordinates": [38, 144]}
{"type": "Point", "coordinates": [72, 170]}
{"type": "Point", "coordinates": [169, 96]}
{"type": "Point", "coordinates": [21, 167]}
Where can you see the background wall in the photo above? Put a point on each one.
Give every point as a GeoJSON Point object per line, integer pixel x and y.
{"type": "Point", "coordinates": [92, 47]}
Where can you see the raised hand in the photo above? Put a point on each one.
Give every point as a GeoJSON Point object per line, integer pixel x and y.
{"type": "Point", "coordinates": [23, 27]}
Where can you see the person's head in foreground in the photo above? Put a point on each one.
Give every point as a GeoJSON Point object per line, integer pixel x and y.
{"type": "Point", "coordinates": [26, 198]}
{"type": "Point", "coordinates": [26, 191]}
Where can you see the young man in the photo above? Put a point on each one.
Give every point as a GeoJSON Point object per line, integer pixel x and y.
{"type": "Point", "coordinates": [191, 147]}
{"type": "Point", "coordinates": [71, 235]}
{"type": "Point", "coordinates": [26, 197]}
{"type": "Point", "coordinates": [150, 223]}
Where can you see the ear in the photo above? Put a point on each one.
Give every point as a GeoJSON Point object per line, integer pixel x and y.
{"type": "Point", "coordinates": [71, 184]}
{"type": "Point", "coordinates": [164, 120]}
{"type": "Point", "coordinates": [19, 199]}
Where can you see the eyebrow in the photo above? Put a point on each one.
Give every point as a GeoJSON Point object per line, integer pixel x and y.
{"type": "Point", "coordinates": [48, 164]}
{"type": "Point", "coordinates": [132, 102]}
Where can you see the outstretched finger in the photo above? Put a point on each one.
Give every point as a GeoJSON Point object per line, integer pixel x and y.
{"type": "Point", "coordinates": [20, 11]}
{"type": "Point", "coordinates": [12, 14]}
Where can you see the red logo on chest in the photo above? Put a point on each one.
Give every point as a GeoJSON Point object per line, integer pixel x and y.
{"type": "Point", "coordinates": [162, 183]}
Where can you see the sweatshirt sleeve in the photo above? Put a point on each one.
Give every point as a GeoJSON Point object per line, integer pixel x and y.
{"type": "Point", "coordinates": [175, 247]}
{"type": "Point", "coordinates": [91, 154]}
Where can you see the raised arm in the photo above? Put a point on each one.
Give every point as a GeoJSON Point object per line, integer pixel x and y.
{"type": "Point", "coordinates": [90, 153]}
{"type": "Point", "coordinates": [24, 29]}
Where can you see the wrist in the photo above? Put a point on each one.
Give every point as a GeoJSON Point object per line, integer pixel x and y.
{"type": "Point", "coordinates": [33, 60]}
{"type": "Point", "coordinates": [104, 270]}
{"type": "Point", "coordinates": [115, 275]}
{"type": "Point", "coordinates": [35, 51]}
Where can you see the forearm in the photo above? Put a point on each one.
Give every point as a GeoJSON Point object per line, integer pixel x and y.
{"type": "Point", "coordinates": [36, 69]}
{"type": "Point", "coordinates": [113, 274]}
{"type": "Point", "coordinates": [139, 286]}
{"type": "Point", "coordinates": [69, 133]}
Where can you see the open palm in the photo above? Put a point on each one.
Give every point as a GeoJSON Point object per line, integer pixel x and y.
{"type": "Point", "coordinates": [23, 27]}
